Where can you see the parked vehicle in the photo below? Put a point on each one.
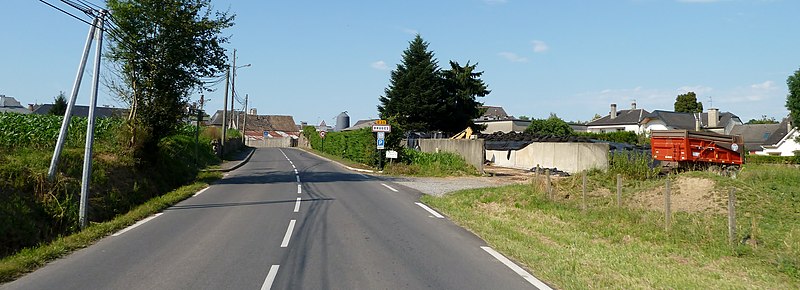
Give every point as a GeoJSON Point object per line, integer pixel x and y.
{"type": "Point", "coordinates": [684, 149]}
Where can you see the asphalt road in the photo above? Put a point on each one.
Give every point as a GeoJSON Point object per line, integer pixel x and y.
{"type": "Point", "coordinates": [249, 231]}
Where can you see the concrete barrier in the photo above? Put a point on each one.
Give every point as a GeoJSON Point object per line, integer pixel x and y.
{"type": "Point", "coordinates": [569, 157]}
{"type": "Point", "coordinates": [472, 150]}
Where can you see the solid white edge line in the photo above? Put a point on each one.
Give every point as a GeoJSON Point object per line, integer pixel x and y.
{"type": "Point", "coordinates": [430, 210]}
{"type": "Point", "coordinates": [517, 269]}
{"type": "Point", "coordinates": [288, 235]}
{"type": "Point", "coordinates": [139, 223]}
{"type": "Point", "coordinates": [273, 271]}
{"type": "Point", "coordinates": [389, 187]}
{"type": "Point", "coordinates": [299, 189]}
{"type": "Point", "coordinates": [297, 205]}
{"type": "Point", "coordinates": [199, 192]}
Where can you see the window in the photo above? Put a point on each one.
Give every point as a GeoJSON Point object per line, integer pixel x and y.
{"type": "Point", "coordinates": [766, 136]}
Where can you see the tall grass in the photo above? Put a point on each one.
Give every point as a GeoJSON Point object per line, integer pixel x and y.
{"type": "Point", "coordinates": [632, 165]}
{"type": "Point", "coordinates": [430, 164]}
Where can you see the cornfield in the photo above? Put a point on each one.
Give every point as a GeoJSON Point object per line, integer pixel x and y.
{"type": "Point", "coordinates": [41, 131]}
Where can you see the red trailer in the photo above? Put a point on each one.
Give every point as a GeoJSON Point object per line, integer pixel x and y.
{"type": "Point", "coordinates": [693, 149]}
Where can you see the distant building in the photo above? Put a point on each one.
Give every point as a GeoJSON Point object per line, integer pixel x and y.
{"type": "Point", "coordinates": [622, 120]}
{"type": "Point", "coordinates": [494, 113]}
{"type": "Point", "coordinates": [258, 127]}
{"type": "Point", "coordinates": [712, 120]}
{"type": "Point", "coordinates": [505, 125]}
{"type": "Point", "coordinates": [360, 124]}
{"type": "Point", "coordinates": [11, 105]}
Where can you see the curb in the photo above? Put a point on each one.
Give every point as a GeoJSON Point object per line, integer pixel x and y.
{"type": "Point", "coordinates": [246, 159]}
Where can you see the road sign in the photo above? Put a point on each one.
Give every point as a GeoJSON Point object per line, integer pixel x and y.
{"type": "Point", "coordinates": [381, 140]}
{"type": "Point", "coordinates": [322, 134]}
{"type": "Point", "coordinates": [266, 134]}
{"type": "Point", "coordinates": [381, 128]}
{"type": "Point", "coordinates": [381, 122]}
{"type": "Point", "coordinates": [391, 154]}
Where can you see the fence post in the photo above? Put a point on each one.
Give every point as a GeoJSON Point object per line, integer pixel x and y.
{"type": "Point", "coordinates": [732, 216]}
{"type": "Point", "coordinates": [583, 197]}
{"type": "Point", "coordinates": [619, 190]}
{"type": "Point", "coordinates": [549, 186]}
{"type": "Point", "coordinates": [667, 204]}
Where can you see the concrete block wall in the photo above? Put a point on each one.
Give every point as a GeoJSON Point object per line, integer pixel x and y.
{"type": "Point", "coordinates": [472, 150]}
{"type": "Point", "coordinates": [569, 157]}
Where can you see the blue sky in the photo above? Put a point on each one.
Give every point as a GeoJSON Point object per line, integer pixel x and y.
{"type": "Point", "coordinates": [315, 59]}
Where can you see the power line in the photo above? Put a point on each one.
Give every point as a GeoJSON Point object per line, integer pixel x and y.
{"type": "Point", "coordinates": [65, 12]}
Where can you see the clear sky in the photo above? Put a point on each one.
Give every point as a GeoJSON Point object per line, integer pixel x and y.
{"type": "Point", "coordinates": [315, 59]}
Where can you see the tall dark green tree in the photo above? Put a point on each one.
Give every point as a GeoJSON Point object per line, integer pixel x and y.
{"type": "Point", "coordinates": [462, 85]}
{"type": "Point", "coordinates": [687, 103]}
{"type": "Point", "coordinates": [164, 50]}
{"type": "Point", "coordinates": [793, 98]}
{"type": "Point", "coordinates": [59, 105]}
{"type": "Point", "coordinates": [414, 99]}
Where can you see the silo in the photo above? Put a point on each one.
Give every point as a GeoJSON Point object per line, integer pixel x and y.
{"type": "Point", "coordinates": [342, 121]}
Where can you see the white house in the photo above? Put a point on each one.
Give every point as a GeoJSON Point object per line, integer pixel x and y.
{"type": "Point", "coordinates": [713, 120]}
{"type": "Point", "coordinates": [782, 142]}
{"type": "Point", "coordinates": [623, 120]}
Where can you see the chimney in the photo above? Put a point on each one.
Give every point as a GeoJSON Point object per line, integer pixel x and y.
{"type": "Point", "coordinates": [253, 111]}
{"type": "Point", "coordinates": [633, 105]}
{"type": "Point", "coordinates": [713, 118]}
{"type": "Point", "coordinates": [697, 124]}
{"type": "Point", "coordinates": [613, 111]}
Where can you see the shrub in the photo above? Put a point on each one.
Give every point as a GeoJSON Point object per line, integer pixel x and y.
{"type": "Point", "coordinates": [357, 145]}
{"type": "Point", "coordinates": [632, 165]}
{"type": "Point", "coordinates": [414, 162]}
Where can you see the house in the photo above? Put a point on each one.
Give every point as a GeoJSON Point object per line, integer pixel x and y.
{"type": "Point", "coordinates": [622, 120]}
{"type": "Point", "coordinates": [494, 113]}
{"type": "Point", "coordinates": [258, 127]}
{"type": "Point", "coordinates": [756, 135]}
{"type": "Point", "coordinates": [11, 105]}
{"type": "Point", "coordinates": [713, 120]}
{"type": "Point", "coordinates": [82, 111]}
{"type": "Point", "coordinates": [782, 142]}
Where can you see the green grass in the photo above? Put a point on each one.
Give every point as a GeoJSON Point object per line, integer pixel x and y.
{"type": "Point", "coordinates": [30, 259]}
{"type": "Point", "coordinates": [439, 164]}
{"type": "Point", "coordinates": [341, 160]}
{"type": "Point", "coordinates": [623, 248]}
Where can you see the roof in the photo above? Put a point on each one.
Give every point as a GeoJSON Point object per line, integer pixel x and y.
{"type": "Point", "coordinates": [679, 120]}
{"type": "Point", "coordinates": [361, 124]}
{"type": "Point", "coordinates": [780, 132]}
{"type": "Point", "coordinates": [493, 113]}
{"type": "Point", "coordinates": [83, 111]}
{"type": "Point", "coordinates": [755, 135]}
{"type": "Point", "coordinates": [11, 105]}
{"type": "Point", "coordinates": [624, 117]}
{"type": "Point", "coordinates": [261, 122]}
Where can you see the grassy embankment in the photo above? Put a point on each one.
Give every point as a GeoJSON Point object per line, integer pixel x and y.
{"type": "Point", "coordinates": [39, 217]}
{"type": "Point", "coordinates": [609, 247]}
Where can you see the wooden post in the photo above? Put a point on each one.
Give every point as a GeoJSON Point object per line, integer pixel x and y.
{"type": "Point", "coordinates": [549, 186]}
{"type": "Point", "coordinates": [732, 216]}
{"type": "Point", "coordinates": [667, 204]}
{"type": "Point", "coordinates": [583, 197]}
{"type": "Point", "coordinates": [619, 190]}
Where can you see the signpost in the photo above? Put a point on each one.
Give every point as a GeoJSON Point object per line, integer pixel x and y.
{"type": "Point", "coordinates": [391, 154]}
{"type": "Point", "coordinates": [266, 135]}
{"type": "Point", "coordinates": [381, 127]}
{"type": "Point", "coordinates": [322, 136]}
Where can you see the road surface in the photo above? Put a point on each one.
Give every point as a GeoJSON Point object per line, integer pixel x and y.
{"type": "Point", "coordinates": [288, 220]}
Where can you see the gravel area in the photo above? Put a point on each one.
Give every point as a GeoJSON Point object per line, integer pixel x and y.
{"type": "Point", "coordinates": [438, 186]}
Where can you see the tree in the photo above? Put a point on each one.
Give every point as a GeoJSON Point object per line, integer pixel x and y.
{"type": "Point", "coordinates": [687, 103]}
{"type": "Point", "coordinates": [523, 117]}
{"type": "Point", "coordinates": [59, 105]}
{"type": "Point", "coordinates": [462, 85]}
{"type": "Point", "coordinates": [763, 120]}
{"type": "Point", "coordinates": [553, 125]}
{"type": "Point", "coordinates": [415, 93]}
{"type": "Point", "coordinates": [164, 49]}
{"type": "Point", "coordinates": [793, 98]}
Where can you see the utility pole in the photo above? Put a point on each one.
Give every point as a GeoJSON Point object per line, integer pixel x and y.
{"type": "Point", "coordinates": [87, 155]}
{"type": "Point", "coordinates": [233, 87]}
{"type": "Point", "coordinates": [62, 134]}
{"type": "Point", "coordinates": [244, 123]}
{"type": "Point", "coordinates": [224, 111]}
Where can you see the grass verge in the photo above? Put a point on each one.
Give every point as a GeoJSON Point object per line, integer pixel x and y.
{"type": "Point", "coordinates": [622, 248]}
{"type": "Point", "coordinates": [341, 160]}
{"type": "Point", "coordinates": [30, 259]}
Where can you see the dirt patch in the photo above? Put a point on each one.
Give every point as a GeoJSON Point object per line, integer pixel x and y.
{"type": "Point", "coordinates": [688, 194]}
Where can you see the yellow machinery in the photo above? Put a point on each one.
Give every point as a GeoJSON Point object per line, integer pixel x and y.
{"type": "Point", "coordinates": [466, 134]}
